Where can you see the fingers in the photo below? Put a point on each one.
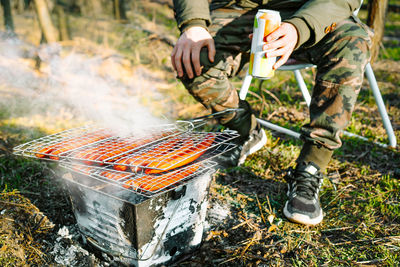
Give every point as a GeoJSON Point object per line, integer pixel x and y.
{"type": "Point", "coordinates": [185, 56]}
{"type": "Point", "coordinates": [281, 61]}
{"type": "Point", "coordinates": [177, 59]}
{"type": "Point", "coordinates": [186, 59]}
{"type": "Point", "coordinates": [196, 60]}
{"type": "Point", "coordinates": [211, 49]}
{"type": "Point", "coordinates": [275, 35]}
{"type": "Point", "coordinates": [173, 57]}
{"type": "Point", "coordinates": [281, 43]}
{"type": "Point", "coordinates": [274, 45]}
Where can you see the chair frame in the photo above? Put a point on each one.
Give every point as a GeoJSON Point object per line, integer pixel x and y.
{"type": "Point", "coordinates": [307, 97]}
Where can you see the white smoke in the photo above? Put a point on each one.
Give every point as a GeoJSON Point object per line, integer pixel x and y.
{"type": "Point", "coordinates": [93, 88]}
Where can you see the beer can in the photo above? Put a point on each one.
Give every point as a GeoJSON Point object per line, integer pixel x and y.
{"type": "Point", "coordinates": [265, 22]}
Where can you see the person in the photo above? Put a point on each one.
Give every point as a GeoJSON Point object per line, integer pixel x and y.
{"type": "Point", "coordinates": [214, 45]}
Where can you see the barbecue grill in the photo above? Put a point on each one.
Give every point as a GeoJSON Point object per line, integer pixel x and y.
{"type": "Point", "coordinates": [140, 199]}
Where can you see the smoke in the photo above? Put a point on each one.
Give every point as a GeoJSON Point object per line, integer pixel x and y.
{"type": "Point", "coordinates": [97, 88]}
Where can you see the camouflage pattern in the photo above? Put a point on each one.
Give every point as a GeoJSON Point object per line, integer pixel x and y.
{"type": "Point", "coordinates": [340, 57]}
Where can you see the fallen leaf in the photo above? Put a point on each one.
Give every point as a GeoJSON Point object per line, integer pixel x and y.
{"type": "Point", "coordinates": [272, 228]}
{"type": "Point", "coordinates": [271, 218]}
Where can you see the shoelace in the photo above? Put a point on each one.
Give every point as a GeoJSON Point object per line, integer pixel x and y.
{"type": "Point", "coordinates": [307, 185]}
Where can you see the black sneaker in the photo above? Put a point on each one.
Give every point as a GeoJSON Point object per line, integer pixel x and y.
{"type": "Point", "coordinates": [303, 204]}
{"type": "Point", "coordinates": [235, 157]}
{"type": "Point", "coordinates": [251, 136]}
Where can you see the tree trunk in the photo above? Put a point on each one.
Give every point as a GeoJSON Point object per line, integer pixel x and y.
{"type": "Point", "coordinates": [8, 20]}
{"type": "Point", "coordinates": [48, 30]}
{"type": "Point", "coordinates": [119, 10]}
{"type": "Point", "coordinates": [91, 8]}
{"type": "Point", "coordinates": [97, 9]}
{"type": "Point", "coordinates": [62, 23]}
{"type": "Point", "coordinates": [376, 20]}
{"type": "Point", "coordinates": [20, 6]}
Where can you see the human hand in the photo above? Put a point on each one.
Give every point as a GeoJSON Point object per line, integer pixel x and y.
{"type": "Point", "coordinates": [281, 43]}
{"type": "Point", "coordinates": [187, 50]}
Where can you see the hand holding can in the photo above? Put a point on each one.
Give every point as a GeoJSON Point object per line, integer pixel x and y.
{"type": "Point", "coordinates": [265, 22]}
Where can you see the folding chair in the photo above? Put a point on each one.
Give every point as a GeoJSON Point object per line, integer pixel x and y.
{"type": "Point", "coordinates": [304, 90]}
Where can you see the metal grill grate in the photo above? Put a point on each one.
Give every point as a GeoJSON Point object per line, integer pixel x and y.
{"type": "Point", "coordinates": [57, 146]}
{"type": "Point", "coordinates": [164, 157]}
{"type": "Point", "coordinates": [162, 149]}
{"type": "Point", "coordinates": [143, 184]}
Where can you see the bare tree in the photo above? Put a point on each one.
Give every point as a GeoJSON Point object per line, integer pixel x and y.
{"type": "Point", "coordinates": [119, 10]}
{"type": "Point", "coordinates": [8, 20]}
{"type": "Point", "coordinates": [48, 30]}
{"type": "Point", "coordinates": [92, 8]}
{"type": "Point", "coordinates": [62, 19]}
{"type": "Point", "coordinates": [376, 20]}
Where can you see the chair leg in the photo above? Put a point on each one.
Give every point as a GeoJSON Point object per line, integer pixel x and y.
{"type": "Point", "coordinates": [307, 97]}
{"type": "Point", "coordinates": [245, 86]}
{"type": "Point", "coordinates": [303, 86]}
{"type": "Point", "coordinates": [242, 95]}
{"type": "Point", "coordinates": [381, 106]}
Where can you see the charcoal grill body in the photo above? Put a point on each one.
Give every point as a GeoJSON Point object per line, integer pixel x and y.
{"type": "Point", "coordinates": [138, 230]}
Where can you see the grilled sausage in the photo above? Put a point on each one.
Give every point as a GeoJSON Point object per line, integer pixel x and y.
{"type": "Point", "coordinates": [144, 158]}
{"type": "Point", "coordinates": [114, 175]}
{"type": "Point", "coordinates": [182, 157]}
{"type": "Point", "coordinates": [83, 140]}
{"type": "Point", "coordinates": [154, 183]}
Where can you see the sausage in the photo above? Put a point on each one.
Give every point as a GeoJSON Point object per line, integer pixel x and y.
{"type": "Point", "coordinates": [83, 140]}
{"type": "Point", "coordinates": [85, 154]}
{"type": "Point", "coordinates": [110, 149]}
{"type": "Point", "coordinates": [145, 158]}
{"type": "Point", "coordinates": [157, 182]}
{"type": "Point", "coordinates": [183, 145]}
{"type": "Point", "coordinates": [115, 175]}
{"type": "Point", "coordinates": [182, 157]}
{"type": "Point", "coordinates": [45, 150]}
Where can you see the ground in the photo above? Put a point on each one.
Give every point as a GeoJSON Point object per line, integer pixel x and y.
{"type": "Point", "coordinates": [82, 80]}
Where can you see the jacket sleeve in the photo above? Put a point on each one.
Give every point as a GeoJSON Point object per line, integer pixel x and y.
{"type": "Point", "coordinates": [316, 18]}
{"type": "Point", "coordinates": [192, 13]}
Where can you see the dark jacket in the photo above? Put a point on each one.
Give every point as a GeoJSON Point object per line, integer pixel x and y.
{"type": "Point", "coordinates": [313, 19]}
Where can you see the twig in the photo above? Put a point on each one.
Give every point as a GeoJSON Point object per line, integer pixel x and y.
{"type": "Point", "coordinates": [259, 207]}
{"type": "Point", "coordinates": [30, 193]}
{"type": "Point", "coordinates": [228, 260]}
{"type": "Point", "coordinates": [273, 96]}
{"type": "Point", "coordinates": [12, 204]}
{"type": "Point", "coordinates": [269, 205]}
{"type": "Point", "coordinates": [238, 225]}
{"type": "Point", "coordinates": [250, 243]}
{"type": "Point", "coordinates": [337, 229]}
{"type": "Point", "coordinates": [271, 115]}
{"type": "Point", "coordinates": [362, 240]}
{"type": "Point", "coordinates": [263, 98]}
{"type": "Point", "coordinates": [257, 257]}
{"type": "Point", "coordinates": [255, 95]}
{"type": "Point", "coordinates": [371, 261]}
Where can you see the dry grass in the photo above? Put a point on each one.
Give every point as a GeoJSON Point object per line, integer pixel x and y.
{"type": "Point", "coordinates": [362, 215]}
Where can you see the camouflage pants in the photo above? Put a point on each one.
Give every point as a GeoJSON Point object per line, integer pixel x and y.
{"type": "Point", "coordinates": [340, 58]}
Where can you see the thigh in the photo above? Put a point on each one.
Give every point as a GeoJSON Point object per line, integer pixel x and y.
{"type": "Point", "coordinates": [230, 30]}
{"type": "Point", "coordinates": [342, 55]}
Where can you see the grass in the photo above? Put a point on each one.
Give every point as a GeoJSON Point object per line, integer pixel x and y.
{"type": "Point", "coordinates": [361, 198]}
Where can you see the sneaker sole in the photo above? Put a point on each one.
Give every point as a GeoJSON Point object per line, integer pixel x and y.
{"type": "Point", "coordinates": [301, 218]}
{"type": "Point", "coordinates": [254, 148]}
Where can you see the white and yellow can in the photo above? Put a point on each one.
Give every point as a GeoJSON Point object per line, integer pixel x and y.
{"type": "Point", "coordinates": [265, 22]}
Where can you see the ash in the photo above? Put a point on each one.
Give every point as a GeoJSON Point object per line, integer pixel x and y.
{"type": "Point", "coordinates": [217, 213]}
{"type": "Point", "coordinates": [67, 250]}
